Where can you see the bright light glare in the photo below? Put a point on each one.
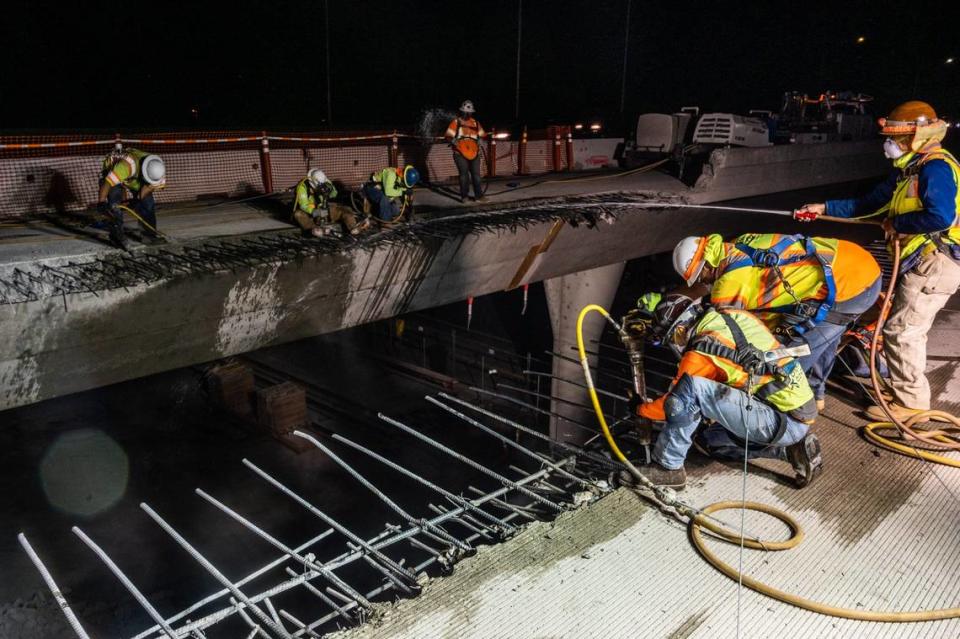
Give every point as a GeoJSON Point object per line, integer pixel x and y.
{"type": "Point", "coordinates": [594, 127]}
{"type": "Point", "coordinates": [501, 136]}
{"type": "Point", "coordinates": [861, 40]}
{"type": "Point", "coordinates": [949, 60]}
{"type": "Point", "coordinates": [578, 126]}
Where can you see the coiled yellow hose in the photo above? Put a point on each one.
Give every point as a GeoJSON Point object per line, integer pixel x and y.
{"type": "Point", "coordinates": [698, 522]}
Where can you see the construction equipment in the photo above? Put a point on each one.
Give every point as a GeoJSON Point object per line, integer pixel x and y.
{"type": "Point", "coordinates": [634, 330]}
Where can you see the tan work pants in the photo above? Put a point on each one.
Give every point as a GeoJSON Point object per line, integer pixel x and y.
{"type": "Point", "coordinates": [920, 294]}
{"type": "Point", "coordinates": [338, 213]}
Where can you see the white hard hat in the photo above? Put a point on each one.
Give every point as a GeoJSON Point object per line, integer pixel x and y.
{"type": "Point", "coordinates": [688, 259]}
{"type": "Point", "coordinates": [316, 177]}
{"type": "Point", "coordinates": [152, 169]}
{"type": "Point", "coordinates": [467, 107]}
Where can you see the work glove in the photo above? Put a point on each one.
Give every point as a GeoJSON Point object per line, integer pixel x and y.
{"type": "Point", "coordinates": [809, 212]}
{"type": "Point", "coordinates": [648, 302]}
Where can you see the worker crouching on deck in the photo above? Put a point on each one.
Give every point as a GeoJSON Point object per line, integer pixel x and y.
{"type": "Point", "coordinates": [920, 200]}
{"type": "Point", "coordinates": [808, 290]}
{"type": "Point", "coordinates": [139, 173]}
{"type": "Point", "coordinates": [761, 408]}
{"type": "Point", "coordinates": [314, 210]}
{"type": "Point", "coordinates": [464, 135]}
{"type": "Point", "coordinates": [390, 191]}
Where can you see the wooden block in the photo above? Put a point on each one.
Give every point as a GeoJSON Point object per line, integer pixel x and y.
{"type": "Point", "coordinates": [231, 388]}
{"type": "Point", "coordinates": [282, 408]}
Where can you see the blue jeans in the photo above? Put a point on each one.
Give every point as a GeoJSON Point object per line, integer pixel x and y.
{"type": "Point", "coordinates": [145, 208]}
{"type": "Point", "coordinates": [824, 338]}
{"type": "Point", "coordinates": [741, 417]}
{"type": "Point", "coordinates": [387, 208]}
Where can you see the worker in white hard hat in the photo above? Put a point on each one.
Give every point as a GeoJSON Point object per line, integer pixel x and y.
{"type": "Point", "coordinates": [919, 200]}
{"type": "Point", "coordinates": [314, 210]}
{"type": "Point", "coordinates": [464, 135]}
{"type": "Point", "coordinates": [808, 290]}
{"type": "Point", "coordinates": [139, 174]}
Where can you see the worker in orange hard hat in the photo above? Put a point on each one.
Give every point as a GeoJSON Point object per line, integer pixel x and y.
{"type": "Point", "coordinates": [919, 200]}
{"type": "Point", "coordinates": [464, 134]}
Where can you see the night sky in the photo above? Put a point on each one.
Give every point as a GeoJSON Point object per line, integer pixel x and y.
{"type": "Point", "coordinates": [146, 65]}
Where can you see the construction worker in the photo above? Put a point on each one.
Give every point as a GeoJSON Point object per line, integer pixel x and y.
{"type": "Point", "coordinates": [314, 211]}
{"type": "Point", "coordinates": [390, 191]}
{"type": "Point", "coordinates": [464, 134]}
{"type": "Point", "coordinates": [139, 173]}
{"type": "Point", "coordinates": [760, 408]}
{"type": "Point", "coordinates": [808, 290]}
{"type": "Point", "coordinates": [920, 199]}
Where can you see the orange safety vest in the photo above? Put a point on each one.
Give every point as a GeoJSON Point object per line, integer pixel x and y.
{"type": "Point", "coordinates": [466, 136]}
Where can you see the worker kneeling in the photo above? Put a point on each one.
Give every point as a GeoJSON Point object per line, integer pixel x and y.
{"type": "Point", "coordinates": [390, 191]}
{"type": "Point", "coordinates": [807, 289]}
{"type": "Point", "coordinates": [314, 211]}
{"type": "Point", "coordinates": [138, 174]}
{"type": "Point", "coordinates": [731, 373]}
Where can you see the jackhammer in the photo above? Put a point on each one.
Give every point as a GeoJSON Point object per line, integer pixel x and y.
{"type": "Point", "coordinates": [634, 329]}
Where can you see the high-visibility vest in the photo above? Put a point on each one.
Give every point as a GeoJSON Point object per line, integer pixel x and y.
{"type": "Point", "coordinates": [783, 260]}
{"type": "Point", "coordinates": [309, 199]}
{"type": "Point", "coordinates": [906, 199]}
{"type": "Point", "coordinates": [466, 136]}
{"type": "Point", "coordinates": [125, 170]}
{"type": "Point", "coordinates": [723, 335]}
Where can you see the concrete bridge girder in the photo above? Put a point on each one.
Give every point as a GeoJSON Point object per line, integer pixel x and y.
{"type": "Point", "coordinates": [68, 343]}
{"type": "Point", "coordinates": [566, 296]}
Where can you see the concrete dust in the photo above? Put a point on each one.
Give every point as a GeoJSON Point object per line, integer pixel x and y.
{"type": "Point", "coordinates": [575, 535]}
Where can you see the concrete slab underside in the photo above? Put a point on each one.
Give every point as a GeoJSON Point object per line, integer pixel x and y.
{"type": "Point", "coordinates": [881, 535]}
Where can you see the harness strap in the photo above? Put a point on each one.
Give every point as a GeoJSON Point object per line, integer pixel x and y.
{"type": "Point", "coordinates": [814, 313]}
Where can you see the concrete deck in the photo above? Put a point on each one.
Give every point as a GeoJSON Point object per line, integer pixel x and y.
{"type": "Point", "coordinates": [881, 535]}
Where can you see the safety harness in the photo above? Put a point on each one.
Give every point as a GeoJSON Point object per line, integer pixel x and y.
{"type": "Point", "coordinates": [750, 359]}
{"type": "Point", "coordinates": [812, 312]}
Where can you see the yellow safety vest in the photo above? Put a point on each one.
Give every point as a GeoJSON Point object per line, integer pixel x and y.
{"type": "Point", "coordinates": [906, 199]}
{"type": "Point", "coordinates": [787, 390]}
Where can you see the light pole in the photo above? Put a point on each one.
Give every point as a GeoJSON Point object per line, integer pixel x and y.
{"type": "Point", "coordinates": [626, 46]}
{"type": "Point", "coordinates": [326, 26]}
{"type": "Point", "coordinates": [516, 108]}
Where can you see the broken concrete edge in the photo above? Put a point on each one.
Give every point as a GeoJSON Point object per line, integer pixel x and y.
{"type": "Point", "coordinates": [400, 614]}
{"type": "Point", "coordinates": [41, 279]}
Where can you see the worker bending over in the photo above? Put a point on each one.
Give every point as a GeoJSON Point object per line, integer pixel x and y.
{"type": "Point", "coordinates": [390, 191]}
{"type": "Point", "coordinates": [314, 211]}
{"type": "Point", "coordinates": [139, 173]}
{"type": "Point", "coordinates": [920, 199]}
{"type": "Point", "coordinates": [464, 134]}
{"type": "Point", "coordinates": [761, 409]}
{"type": "Point", "coordinates": [808, 290]}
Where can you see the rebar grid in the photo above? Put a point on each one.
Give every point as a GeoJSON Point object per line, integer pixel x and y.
{"type": "Point", "coordinates": [264, 614]}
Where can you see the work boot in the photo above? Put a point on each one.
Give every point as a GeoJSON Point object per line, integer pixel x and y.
{"type": "Point", "coordinates": [875, 413]}
{"type": "Point", "coordinates": [152, 239]}
{"type": "Point", "coordinates": [657, 474]}
{"type": "Point", "coordinates": [805, 458]}
{"type": "Point", "coordinates": [118, 238]}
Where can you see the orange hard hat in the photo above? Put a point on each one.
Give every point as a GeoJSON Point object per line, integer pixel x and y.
{"type": "Point", "coordinates": [904, 119]}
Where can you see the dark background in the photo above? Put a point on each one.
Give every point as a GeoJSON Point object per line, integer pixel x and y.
{"type": "Point", "coordinates": [147, 65]}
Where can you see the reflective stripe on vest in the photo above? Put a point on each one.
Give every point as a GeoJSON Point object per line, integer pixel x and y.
{"type": "Point", "coordinates": [906, 199]}
{"type": "Point", "coordinates": [772, 258]}
{"type": "Point", "coordinates": [783, 386]}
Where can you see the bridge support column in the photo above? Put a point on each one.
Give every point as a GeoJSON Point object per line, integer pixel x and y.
{"type": "Point", "coordinates": [566, 295]}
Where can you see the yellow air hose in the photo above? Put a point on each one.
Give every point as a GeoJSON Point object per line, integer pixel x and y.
{"type": "Point", "coordinates": [126, 208]}
{"type": "Point", "coordinates": [699, 521]}
{"type": "Point", "coordinates": [944, 439]}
